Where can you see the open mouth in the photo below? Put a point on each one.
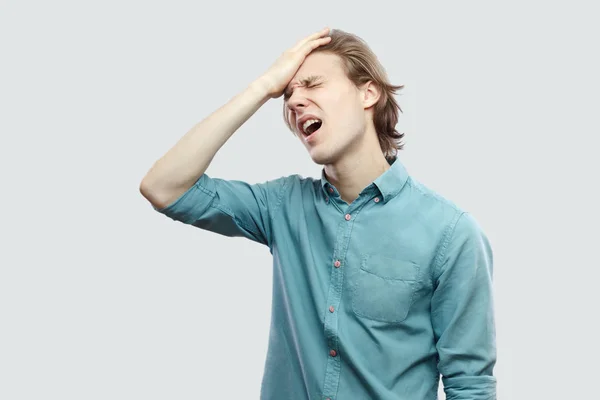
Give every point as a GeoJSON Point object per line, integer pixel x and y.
{"type": "Point", "coordinates": [311, 126]}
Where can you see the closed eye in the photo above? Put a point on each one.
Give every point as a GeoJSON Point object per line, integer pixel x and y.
{"type": "Point", "coordinates": [287, 95]}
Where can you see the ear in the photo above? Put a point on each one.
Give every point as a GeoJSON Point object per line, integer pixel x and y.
{"type": "Point", "coordinates": [370, 94]}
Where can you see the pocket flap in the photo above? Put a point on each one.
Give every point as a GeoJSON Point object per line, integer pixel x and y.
{"type": "Point", "coordinates": [390, 267]}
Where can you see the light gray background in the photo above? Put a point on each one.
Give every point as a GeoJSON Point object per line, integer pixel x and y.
{"type": "Point", "coordinates": [101, 297]}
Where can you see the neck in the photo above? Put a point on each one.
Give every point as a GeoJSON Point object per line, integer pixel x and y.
{"type": "Point", "coordinates": [354, 172]}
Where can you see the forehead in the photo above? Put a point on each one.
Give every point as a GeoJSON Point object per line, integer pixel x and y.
{"type": "Point", "coordinates": [319, 64]}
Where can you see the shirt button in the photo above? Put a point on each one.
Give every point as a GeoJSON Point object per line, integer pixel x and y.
{"type": "Point", "coordinates": [337, 263]}
{"type": "Point", "coordinates": [331, 309]}
{"type": "Point", "coordinates": [348, 217]}
{"type": "Point", "coordinates": [330, 190]}
{"type": "Point", "coordinates": [333, 353]}
{"type": "Point", "coordinates": [376, 200]}
{"type": "Point", "coordinates": [327, 199]}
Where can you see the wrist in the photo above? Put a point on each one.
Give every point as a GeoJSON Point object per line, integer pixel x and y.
{"type": "Point", "coordinates": [262, 88]}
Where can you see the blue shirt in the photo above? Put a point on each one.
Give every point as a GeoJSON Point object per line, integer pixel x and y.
{"type": "Point", "coordinates": [372, 300]}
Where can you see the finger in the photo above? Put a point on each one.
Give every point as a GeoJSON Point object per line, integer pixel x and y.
{"type": "Point", "coordinates": [310, 46]}
{"type": "Point", "coordinates": [311, 37]}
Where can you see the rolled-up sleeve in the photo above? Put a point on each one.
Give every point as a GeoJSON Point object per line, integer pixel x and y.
{"type": "Point", "coordinates": [463, 313]}
{"type": "Point", "coordinates": [229, 207]}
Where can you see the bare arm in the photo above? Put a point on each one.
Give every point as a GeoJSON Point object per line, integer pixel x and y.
{"type": "Point", "coordinates": [187, 161]}
{"type": "Point", "coordinates": [184, 163]}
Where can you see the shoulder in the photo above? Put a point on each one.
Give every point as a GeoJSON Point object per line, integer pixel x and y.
{"type": "Point", "coordinates": [455, 220]}
{"type": "Point", "coordinates": [432, 198]}
{"type": "Point", "coordinates": [433, 207]}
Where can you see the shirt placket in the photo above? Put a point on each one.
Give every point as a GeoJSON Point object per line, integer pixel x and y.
{"type": "Point", "coordinates": [333, 368]}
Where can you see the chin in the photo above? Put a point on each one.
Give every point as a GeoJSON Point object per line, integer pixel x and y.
{"type": "Point", "coordinates": [322, 157]}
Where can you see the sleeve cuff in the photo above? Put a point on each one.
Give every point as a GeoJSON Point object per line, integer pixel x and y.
{"type": "Point", "coordinates": [470, 387]}
{"type": "Point", "coordinates": [197, 198]}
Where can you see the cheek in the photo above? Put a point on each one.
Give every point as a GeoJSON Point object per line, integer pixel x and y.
{"type": "Point", "coordinates": [347, 108]}
{"type": "Point", "coordinates": [336, 106]}
{"type": "Point", "coordinates": [349, 115]}
{"type": "Point", "coordinates": [291, 119]}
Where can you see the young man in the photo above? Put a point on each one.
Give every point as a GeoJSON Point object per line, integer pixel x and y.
{"type": "Point", "coordinates": [380, 284]}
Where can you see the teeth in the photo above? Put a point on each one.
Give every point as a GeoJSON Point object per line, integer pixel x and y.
{"type": "Point", "coordinates": [309, 123]}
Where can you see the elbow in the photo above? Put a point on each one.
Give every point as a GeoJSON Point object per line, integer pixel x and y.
{"type": "Point", "coordinates": [151, 194]}
{"type": "Point", "coordinates": [159, 196]}
{"type": "Point", "coordinates": [146, 187]}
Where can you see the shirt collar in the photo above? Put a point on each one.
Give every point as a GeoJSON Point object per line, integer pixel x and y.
{"type": "Point", "coordinates": [389, 183]}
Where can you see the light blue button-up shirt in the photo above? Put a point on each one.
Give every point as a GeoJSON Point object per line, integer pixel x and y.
{"type": "Point", "coordinates": [372, 300]}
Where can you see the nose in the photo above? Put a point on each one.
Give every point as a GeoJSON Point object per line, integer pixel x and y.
{"type": "Point", "coordinates": [297, 102]}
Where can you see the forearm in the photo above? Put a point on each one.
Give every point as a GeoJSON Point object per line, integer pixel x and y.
{"type": "Point", "coordinates": [188, 159]}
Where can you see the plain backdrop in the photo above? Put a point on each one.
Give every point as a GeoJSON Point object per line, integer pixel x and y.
{"type": "Point", "coordinates": [101, 297]}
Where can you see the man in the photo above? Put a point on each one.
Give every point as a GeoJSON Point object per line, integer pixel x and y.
{"type": "Point", "coordinates": [380, 284]}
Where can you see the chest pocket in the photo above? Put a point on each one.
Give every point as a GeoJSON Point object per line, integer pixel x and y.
{"type": "Point", "coordinates": [384, 288]}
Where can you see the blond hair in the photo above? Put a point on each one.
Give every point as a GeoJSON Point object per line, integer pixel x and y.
{"type": "Point", "coordinates": [362, 65]}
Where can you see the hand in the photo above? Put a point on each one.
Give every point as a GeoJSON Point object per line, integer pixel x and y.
{"type": "Point", "coordinates": [285, 67]}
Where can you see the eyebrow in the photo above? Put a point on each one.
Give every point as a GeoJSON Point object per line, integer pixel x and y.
{"type": "Point", "coordinates": [309, 80]}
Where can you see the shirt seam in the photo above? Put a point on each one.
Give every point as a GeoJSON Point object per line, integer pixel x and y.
{"type": "Point", "coordinates": [446, 240]}
{"type": "Point", "coordinates": [205, 190]}
{"type": "Point", "coordinates": [199, 185]}
{"type": "Point", "coordinates": [280, 197]}
{"type": "Point", "coordinates": [275, 209]}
